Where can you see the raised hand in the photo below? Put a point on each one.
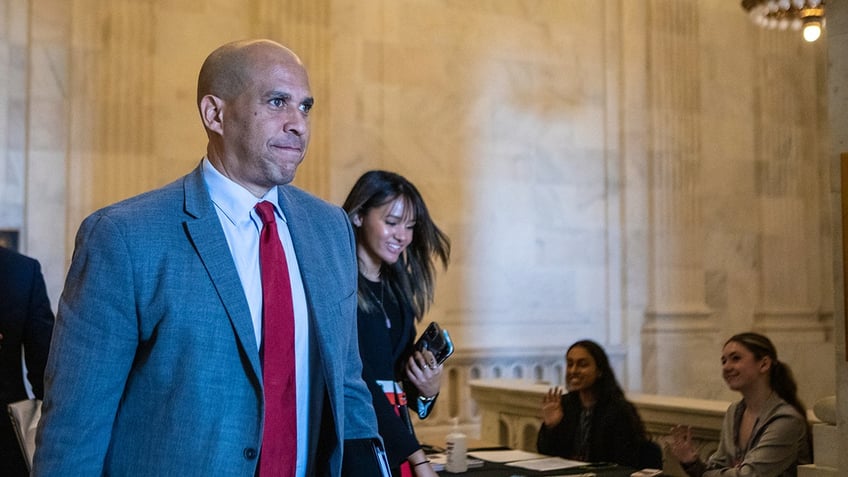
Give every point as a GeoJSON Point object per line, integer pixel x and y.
{"type": "Point", "coordinates": [679, 442]}
{"type": "Point", "coordinates": [552, 407]}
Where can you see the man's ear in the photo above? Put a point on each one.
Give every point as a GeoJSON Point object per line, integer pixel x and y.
{"type": "Point", "coordinates": [357, 219]}
{"type": "Point", "coordinates": [212, 113]}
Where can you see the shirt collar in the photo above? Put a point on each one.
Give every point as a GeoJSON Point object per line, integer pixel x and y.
{"type": "Point", "coordinates": [234, 201]}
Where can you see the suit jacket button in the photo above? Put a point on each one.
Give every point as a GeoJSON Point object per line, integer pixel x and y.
{"type": "Point", "coordinates": [249, 453]}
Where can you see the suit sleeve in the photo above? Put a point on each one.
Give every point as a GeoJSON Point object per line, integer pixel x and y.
{"type": "Point", "coordinates": [38, 329]}
{"type": "Point", "coordinates": [94, 344]}
{"type": "Point", "coordinates": [360, 421]}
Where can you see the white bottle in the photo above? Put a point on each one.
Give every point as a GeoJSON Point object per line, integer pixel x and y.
{"type": "Point", "coordinates": [456, 448]}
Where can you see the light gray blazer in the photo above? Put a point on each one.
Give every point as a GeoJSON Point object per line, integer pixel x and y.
{"type": "Point", "coordinates": [154, 369]}
{"type": "Point", "coordinates": [778, 444]}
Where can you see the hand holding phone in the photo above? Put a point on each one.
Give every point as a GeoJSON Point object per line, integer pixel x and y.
{"type": "Point", "coordinates": [437, 340]}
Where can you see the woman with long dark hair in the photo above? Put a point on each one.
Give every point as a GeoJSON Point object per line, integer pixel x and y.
{"type": "Point", "coordinates": [397, 247]}
{"type": "Point", "coordinates": [594, 421]}
{"type": "Point", "coordinates": [766, 433]}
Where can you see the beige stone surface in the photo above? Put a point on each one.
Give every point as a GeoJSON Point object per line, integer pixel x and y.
{"type": "Point", "coordinates": [655, 175]}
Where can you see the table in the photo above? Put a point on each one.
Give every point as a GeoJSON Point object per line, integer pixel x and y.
{"type": "Point", "coordinates": [494, 469]}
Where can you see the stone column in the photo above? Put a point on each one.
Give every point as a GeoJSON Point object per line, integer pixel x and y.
{"type": "Point", "coordinates": [677, 318]}
{"type": "Point", "coordinates": [14, 31]}
{"type": "Point", "coordinates": [111, 77]}
{"type": "Point", "coordinates": [45, 58]}
{"type": "Point", "coordinates": [790, 180]}
{"type": "Point", "coordinates": [837, 44]}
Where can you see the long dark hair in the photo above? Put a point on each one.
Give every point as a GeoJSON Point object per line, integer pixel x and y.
{"type": "Point", "coordinates": [606, 387]}
{"type": "Point", "coordinates": [414, 274]}
{"type": "Point", "coordinates": [781, 379]}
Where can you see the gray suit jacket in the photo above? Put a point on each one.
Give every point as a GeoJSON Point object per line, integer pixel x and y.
{"type": "Point", "coordinates": [154, 368]}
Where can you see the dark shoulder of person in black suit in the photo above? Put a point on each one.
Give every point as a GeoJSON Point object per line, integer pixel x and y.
{"type": "Point", "coordinates": [26, 323]}
{"type": "Point", "coordinates": [593, 422]}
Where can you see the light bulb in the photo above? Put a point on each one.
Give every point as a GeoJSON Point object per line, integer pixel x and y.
{"type": "Point", "coordinates": [812, 31]}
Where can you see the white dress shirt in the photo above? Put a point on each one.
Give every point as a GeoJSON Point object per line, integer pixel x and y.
{"type": "Point", "coordinates": [235, 207]}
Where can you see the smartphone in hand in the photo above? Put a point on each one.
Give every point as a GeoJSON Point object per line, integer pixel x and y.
{"type": "Point", "coordinates": [437, 340]}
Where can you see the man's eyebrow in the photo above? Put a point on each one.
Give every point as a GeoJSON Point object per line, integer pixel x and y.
{"type": "Point", "coordinates": [310, 101]}
{"type": "Point", "coordinates": [277, 94]}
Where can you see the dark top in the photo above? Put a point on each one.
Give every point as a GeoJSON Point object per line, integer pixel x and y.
{"type": "Point", "coordinates": [614, 433]}
{"type": "Point", "coordinates": [26, 321]}
{"type": "Point", "coordinates": [386, 338]}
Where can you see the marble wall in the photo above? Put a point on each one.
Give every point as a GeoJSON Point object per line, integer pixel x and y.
{"type": "Point", "coordinates": [837, 96]}
{"type": "Point", "coordinates": [652, 174]}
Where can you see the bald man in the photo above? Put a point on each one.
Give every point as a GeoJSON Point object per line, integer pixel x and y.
{"type": "Point", "coordinates": [155, 368]}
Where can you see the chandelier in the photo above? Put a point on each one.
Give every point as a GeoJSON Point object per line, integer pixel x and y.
{"type": "Point", "coordinates": [785, 14]}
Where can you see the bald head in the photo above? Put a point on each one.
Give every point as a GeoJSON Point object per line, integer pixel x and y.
{"type": "Point", "coordinates": [228, 69]}
{"type": "Point", "coordinates": [254, 100]}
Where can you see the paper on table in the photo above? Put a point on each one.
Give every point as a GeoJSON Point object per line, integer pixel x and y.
{"type": "Point", "coordinates": [439, 460]}
{"type": "Point", "coordinates": [547, 463]}
{"type": "Point", "coordinates": [502, 456]}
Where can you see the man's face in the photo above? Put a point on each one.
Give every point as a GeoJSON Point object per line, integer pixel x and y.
{"type": "Point", "coordinates": [266, 126]}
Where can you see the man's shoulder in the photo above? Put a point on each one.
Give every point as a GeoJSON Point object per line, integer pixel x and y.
{"type": "Point", "coordinates": [8, 255]}
{"type": "Point", "coordinates": [299, 201]}
{"type": "Point", "coordinates": [301, 197]}
{"type": "Point", "coordinates": [16, 264]}
{"type": "Point", "coordinates": [150, 203]}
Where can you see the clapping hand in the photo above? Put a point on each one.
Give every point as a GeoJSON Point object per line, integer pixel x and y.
{"type": "Point", "coordinates": [680, 444]}
{"type": "Point", "coordinates": [552, 407]}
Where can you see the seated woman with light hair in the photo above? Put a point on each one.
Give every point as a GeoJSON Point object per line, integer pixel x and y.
{"type": "Point", "coordinates": [766, 434]}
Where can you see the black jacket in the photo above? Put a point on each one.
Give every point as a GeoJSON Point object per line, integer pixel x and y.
{"type": "Point", "coordinates": [385, 351]}
{"type": "Point", "coordinates": [26, 322]}
{"type": "Point", "coordinates": [615, 436]}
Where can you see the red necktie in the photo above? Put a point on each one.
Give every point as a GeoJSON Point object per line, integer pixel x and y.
{"type": "Point", "coordinates": [279, 440]}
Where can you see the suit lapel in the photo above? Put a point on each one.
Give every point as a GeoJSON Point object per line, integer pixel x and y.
{"type": "Point", "coordinates": [302, 234]}
{"type": "Point", "coordinates": [204, 230]}
{"type": "Point", "coordinates": [306, 245]}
